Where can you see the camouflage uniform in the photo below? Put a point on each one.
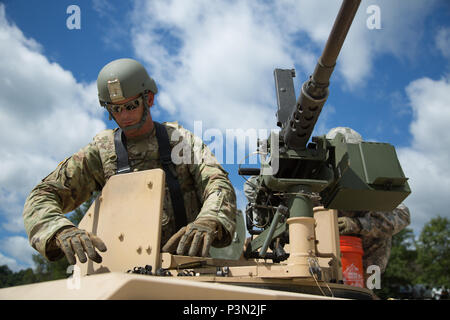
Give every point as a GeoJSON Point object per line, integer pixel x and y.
{"type": "Point", "coordinates": [377, 228]}
{"type": "Point", "coordinates": [206, 188]}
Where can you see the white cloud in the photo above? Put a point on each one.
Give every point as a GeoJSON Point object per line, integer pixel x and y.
{"type": "Point", "coordinates": [18, 249]}
{"type": "Point", "coordinates": [214, 59]}
{"type": "Point", "coordinates": [11, 263]}
{"type": "Point", "coordinates": [427, 161]}
{"type": "Point", "coordinates": [46, 115]}
{"type": "Point", "coordinates": [442, 40]}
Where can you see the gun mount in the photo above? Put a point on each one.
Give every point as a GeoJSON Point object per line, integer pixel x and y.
{"type": "Point", "coordinates": [298, 175]}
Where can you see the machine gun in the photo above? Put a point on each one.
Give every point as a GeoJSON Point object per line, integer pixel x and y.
{"type": "Point", "coordinates": [340, 175]}
{"type": "Point", "coordinates": [298, 174]}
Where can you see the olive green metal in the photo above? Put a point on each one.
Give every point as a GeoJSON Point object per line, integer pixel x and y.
{"type": "Point", "coordinates": [368, 176]}
{"type": "Point", "coordinates": [234, 250]}
{"type": "Point", "coordinates": [299, 203]}
{"type": "Point", "coordinates": [298, 128]}
{"type": "Point", "coordinates": [297, 167]}
{"type": "Point", "coordinates": [280, 211]}
{"type": "Point", "coordinates": [128, 75]}
{"type": "Point", "coordinates": [259, 241]}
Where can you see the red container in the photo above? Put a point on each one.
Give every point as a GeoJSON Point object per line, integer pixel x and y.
{"type": "Point", "coordinates": [352, 261]}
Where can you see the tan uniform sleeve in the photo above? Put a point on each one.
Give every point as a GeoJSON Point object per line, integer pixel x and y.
{"type": "Point", "coordinates": [212, 185]}
{"type": "Point", "coordinates": [62, 191]}
{"type": "Point", "coordinates": [379, 224]}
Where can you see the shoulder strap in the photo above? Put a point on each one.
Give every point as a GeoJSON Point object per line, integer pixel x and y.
{"type": "Point", "coordinates": [176, 194]}
{"type": "Point", "coordinates": [120, 142]}
{"type": "Point", "coordinates": [162, 137]}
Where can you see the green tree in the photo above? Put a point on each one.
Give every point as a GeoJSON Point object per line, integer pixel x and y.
{"type": "Point", "coordinates": [433, 253]}
{"type": "Point", "coordinates": [402, 268]}
{"type": "Point", "coordinates": [6, 276]}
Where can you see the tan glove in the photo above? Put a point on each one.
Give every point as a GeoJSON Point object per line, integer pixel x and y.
{"type": "Point", "coordinates": [348, 225]}
{"type": "Point", "coordinates": [73, 240]}
{"type": "Point", "coordinates": [196, 236]}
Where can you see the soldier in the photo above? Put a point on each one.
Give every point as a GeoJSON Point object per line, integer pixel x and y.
{"type": "Point", "coordinates": [198, 191]}
{"type": "Point", "coordinates": [375, 228]}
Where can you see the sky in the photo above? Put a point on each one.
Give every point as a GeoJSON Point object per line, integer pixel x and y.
{"type": "Point", "coordinates": [213, 62]}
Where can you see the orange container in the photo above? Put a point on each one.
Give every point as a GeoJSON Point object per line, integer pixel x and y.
{"type": "Point", "coordinates": [351, 258]}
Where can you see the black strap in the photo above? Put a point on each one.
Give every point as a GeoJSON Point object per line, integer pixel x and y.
{"type": "Point", "coordinates": [120, 142]}
{"type": "Point", "coordinates": [162, 137]}
{"type": "Point", "coordinates": [171, 179]}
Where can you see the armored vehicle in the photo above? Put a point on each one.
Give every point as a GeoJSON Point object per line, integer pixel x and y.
{"type": "Point", "coordinates": [294, 255]}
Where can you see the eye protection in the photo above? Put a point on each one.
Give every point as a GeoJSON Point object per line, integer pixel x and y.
{"type": "Point", "coordinates": [129, 106]}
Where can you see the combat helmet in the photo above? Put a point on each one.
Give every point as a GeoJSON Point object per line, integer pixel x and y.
{"type": "Point", "coordinates": [350, 135]}
{"type": "Point", "coordinates": [123, 79]}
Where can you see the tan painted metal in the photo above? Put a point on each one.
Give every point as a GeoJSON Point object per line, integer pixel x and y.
{"type": "Point", "coordinates": [327, 246]}
{"type": "Point", "coordinates": [127, 217]}
{"type": "Point", "coordinates": [130, 286]}
{"type": "Point", "coordinates": [302, 248]}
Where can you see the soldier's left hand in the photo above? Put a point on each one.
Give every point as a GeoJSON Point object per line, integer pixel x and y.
{"type": "Point", "coordinates": [195, 238]}
{"type": "Point", "coordinates": [348, 225]}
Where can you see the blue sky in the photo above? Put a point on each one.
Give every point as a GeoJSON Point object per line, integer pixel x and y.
{"type": "Point", "coordinates": [213, 62]}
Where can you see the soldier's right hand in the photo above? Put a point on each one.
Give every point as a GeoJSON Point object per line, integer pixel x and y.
{"type": "Point", "coordinates": [73, 240]}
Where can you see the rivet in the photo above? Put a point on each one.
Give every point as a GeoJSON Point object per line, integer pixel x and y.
{"type": "Point", "coordinates": [139, 250]}
{"type": "Point", "coordinates": [121, 237]}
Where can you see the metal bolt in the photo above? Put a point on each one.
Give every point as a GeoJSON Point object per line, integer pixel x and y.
{"type": "Point", "coordinates": [149, 249]}
{"type": "Point", "coordinates": [121, 237]}
{"type": "Point", "coordinates": [139, 250]}
{"type": "Point", "coordinates": [150, 184]}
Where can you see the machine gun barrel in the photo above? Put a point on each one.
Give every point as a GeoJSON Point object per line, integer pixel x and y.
{"type": "Point", "coordinates": [298, 128]}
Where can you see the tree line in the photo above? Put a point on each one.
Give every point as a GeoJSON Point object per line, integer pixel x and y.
{"type": "Point", "coordinates": [424, 261]}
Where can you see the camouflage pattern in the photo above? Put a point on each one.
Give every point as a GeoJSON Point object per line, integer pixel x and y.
{"type": "Point", "coordinates": [206, 188]}
{"type": "Point", "coordinates": [377, 228]}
